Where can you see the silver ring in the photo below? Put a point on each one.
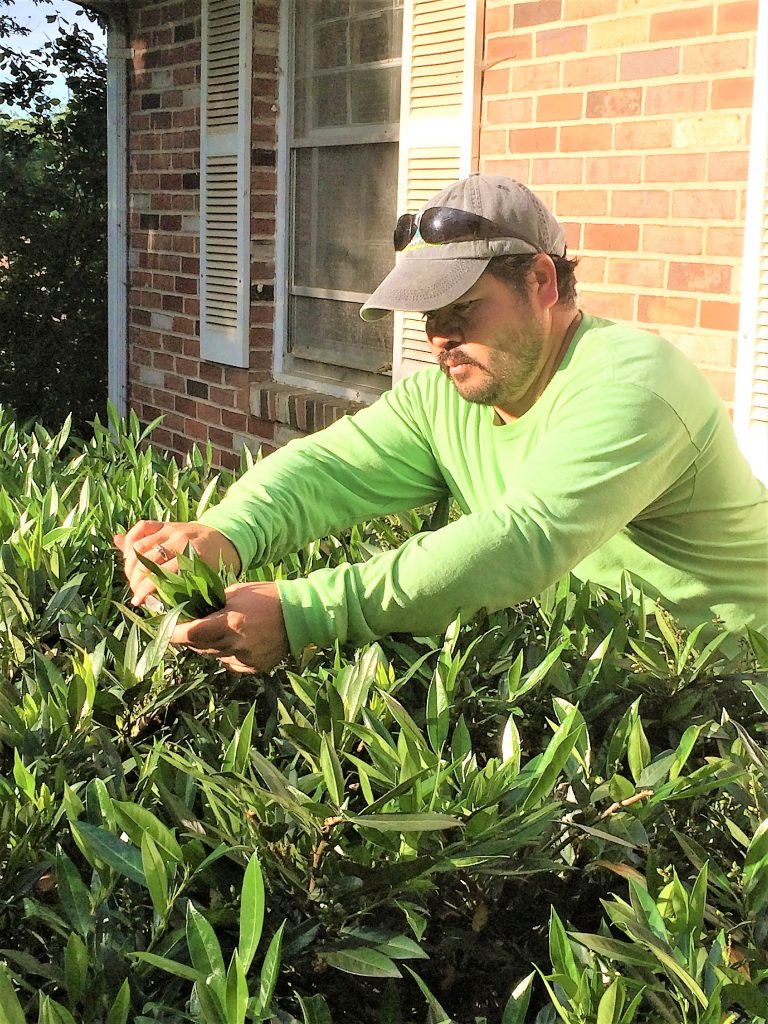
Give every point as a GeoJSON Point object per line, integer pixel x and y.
{"type": "Point", "coordinates": [163, 552]}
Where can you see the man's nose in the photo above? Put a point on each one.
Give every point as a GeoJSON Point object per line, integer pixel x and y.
{"type": "Point", "coordinates": [443, 333]}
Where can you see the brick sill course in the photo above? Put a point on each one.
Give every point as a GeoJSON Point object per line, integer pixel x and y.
{"type": "Point", "coordinates": [298, 410]}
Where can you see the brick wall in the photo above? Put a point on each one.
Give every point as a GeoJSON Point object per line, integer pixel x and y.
{"type": "Point", "coordinates": [200, 401]}
{"type": "Point", "coordinates": [631, 119]}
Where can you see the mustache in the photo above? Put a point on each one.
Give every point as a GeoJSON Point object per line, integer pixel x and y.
{"type": "Point", "coordinates": [455, 357]}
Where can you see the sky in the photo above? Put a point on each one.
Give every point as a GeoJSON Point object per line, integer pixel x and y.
{"type": "Point", "coordinates": [33, 16]}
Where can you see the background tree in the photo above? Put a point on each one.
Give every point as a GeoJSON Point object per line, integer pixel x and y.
{"type": "Point", "coordinates": [53, 204]}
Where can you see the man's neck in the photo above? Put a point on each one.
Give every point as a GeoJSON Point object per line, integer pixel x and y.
{"type": "Point", "coordinates": [565, 323]}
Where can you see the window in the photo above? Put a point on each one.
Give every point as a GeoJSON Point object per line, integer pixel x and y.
{"type": "Point", "coordinates": [751, 402]}
{"type": "Point", "coordinates": [343, 168]}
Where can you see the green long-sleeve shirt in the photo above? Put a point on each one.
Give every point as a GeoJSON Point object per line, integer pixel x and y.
{"type": "Point", "coordinates": [628, 461]}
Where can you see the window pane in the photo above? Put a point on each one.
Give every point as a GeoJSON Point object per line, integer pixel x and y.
{"type": "Point", "coordinates": [331, 45]}
{"type": "Point", "coordinates": [372, 38]}
{"type": "Point", "coordinates": [344, 216]}
{"type": "Point", "coordinates": [375, 95]}
{"type": "Point", "coordinates": [330, 100]}
{"type": "Point", "coordinates": [332, 332]}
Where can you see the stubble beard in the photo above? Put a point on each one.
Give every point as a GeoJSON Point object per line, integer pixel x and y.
{"type": "Point", "coordinates": [503, 376]}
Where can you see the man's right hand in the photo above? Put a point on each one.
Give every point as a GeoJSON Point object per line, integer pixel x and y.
{"type": "Point", "coordinates": [161, 542]}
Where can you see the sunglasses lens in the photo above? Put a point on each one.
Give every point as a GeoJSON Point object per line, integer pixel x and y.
{"type": "Point", "coordinates": [441, 224]}
{"type": "Point", "coordinates": [405, 229]}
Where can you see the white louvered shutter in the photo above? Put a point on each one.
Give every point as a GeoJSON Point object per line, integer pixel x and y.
{"type": "Point", "coordinates": [751, 403]}
{"type": "Point", "coordinates": [225, 132]}
{"type": "Point", "coordinates": [438, 126]}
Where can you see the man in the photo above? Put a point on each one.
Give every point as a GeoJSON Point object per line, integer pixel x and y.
{"type": "Point", "coordinates": [569, 442]}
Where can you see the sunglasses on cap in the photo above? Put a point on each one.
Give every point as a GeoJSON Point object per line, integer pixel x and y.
{"type": "Point", "coordinates": [440, 224]}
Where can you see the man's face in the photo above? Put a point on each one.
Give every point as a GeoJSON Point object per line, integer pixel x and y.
{"type": "Point", "coordinates": [492, 343]}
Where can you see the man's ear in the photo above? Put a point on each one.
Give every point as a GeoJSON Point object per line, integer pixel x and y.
{"type": "Point", "coordinates": [545, 278]}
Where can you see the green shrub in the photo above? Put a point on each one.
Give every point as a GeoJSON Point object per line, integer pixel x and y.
{"type": "Point", "coordinates": [554, 813]}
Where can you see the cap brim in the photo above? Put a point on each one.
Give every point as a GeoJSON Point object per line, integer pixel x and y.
{"type": "Point", "coordinates": [420, 285]}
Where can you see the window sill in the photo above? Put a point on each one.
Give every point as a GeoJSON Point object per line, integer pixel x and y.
{"type": "Point", "coordinates": [300, 410]}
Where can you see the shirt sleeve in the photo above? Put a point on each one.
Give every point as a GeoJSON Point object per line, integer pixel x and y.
{"type": "Point", "coordinates": [607, 456]}
{"type": "Point", "coordinates": [373, 463]}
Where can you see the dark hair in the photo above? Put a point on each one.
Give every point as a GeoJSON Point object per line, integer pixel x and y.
{"type": "Point", "coordinates": [513, 270]}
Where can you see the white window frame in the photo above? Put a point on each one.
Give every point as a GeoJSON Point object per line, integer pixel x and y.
{"type": "Point", "coordinates": [751, 429]}
{"type": "Point", "coordinates": [283, 371]}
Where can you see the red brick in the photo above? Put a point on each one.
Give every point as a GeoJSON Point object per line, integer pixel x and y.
{"type": "Point", "coordinates": [644, 134]}
{"type": "Point", "coordinates": [725, 241]}
{"type": "Point", "coordinates": [509, 111]}
{"type": "Point", "coordinates": [638, 272]}
{"type": "Point", "coordinates": [570, 39]}
{"type": "Point", "coordinates": [576, 9]}
{"type": "Point", "coordinates": [732, 92]}
{"type": "Point", "coordinates": [729, 166]}
{"type": "Point", "coordinates": [579, 138]}
{"type": "Point", "coordinates": [649, 64]}
{"type": "Point", "coordinates": [496, 19]}
{"type": "Point", "coordinates": [533, 140]}
{"type": "Point", "coordinates": [533, 77]}
{"type": "Point", "coordinates": [720, 316]}
{"type": "Point", "coordinates": [557, 171]}
{"type": "Point", "coordinates": [613, 170]}
{"type": "Point", "coordinates": [589, 71]}
{"type": "Point", "coordinates": [738, 17]}
{"type": "Point", "coordinates": [673, 167]}
{"type": "Point", "coordinates": [640, 202]}
{"type": "Point", "coordinates": [536, 12]}
{"type": "Point", "coordinates": [574, 203]}
{"type": "Point", "coordinates": [710, 58]}
{"type": "Point", "coordinates": [208, 413]}
{"type": "Point", "coordinates": [673, 239]}
{"type": "Point", "coordinates": [666, 309]}
{"type": "Point", "coordinates": [592, 269]}
{"type": "Point", "coordinates": [563, 106]}
{"type": "Point", "coordinates": [685, 23]}
{"type": "Point", "coordinates": [704, 204]}
{"type": "Point", "coordinates": [614, 102]}
{"type": "Point", "coordinates": [499, 48]}
{"type": "Point", "coordinates": [496, 82]}
{"type": "Point", "coordinates": [687, 97]}
{"type": "Point", "coordinates": [623, 237]}
{"type": "Point", "coordinates": [711, 278]}
{"type": "Point", "coordinates": [723, 382]}
{"type": "Point", "coordinates": [613, 305]}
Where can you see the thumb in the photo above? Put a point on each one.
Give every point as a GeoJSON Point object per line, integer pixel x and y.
{"type": "Point", "coordinates": [118, 540]}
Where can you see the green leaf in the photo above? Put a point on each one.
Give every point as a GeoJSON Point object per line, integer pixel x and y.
{"type": "Point", "coordinates": [269, 971]}
{"type": "Point", "coordinates": [756, 869]}
{"type": "Point", "coordinates": [759, 644]}
{"type": "Point", "coordinates": [10, 1007]}
{"type": "Point", "coordinates": [204, 949]}
{"type": "Point", "coordinates": [118, 1011]}
{"type": "Point", "coordinates": [560, 952]}
{"type": "Point", "coordinates": [252, 906]}
{"type": "Point", "coordinates": [73, 895]}
{"type": "Point", "coordinates": [402, 947]}
{"type": "Point", "coordinates": [611, 1003]}
{"type": "Point", "coordinates": [155, 873]}
{"type": "Point", "coordinates": [363, 961]}
{"type": "Point", "coordinates": [438, 713]}
{"type": "Point", "coordinates": [237, 991]}
{"type": "Point", "coordinates": [638, 749]}
{"type": "Point", "coordinates": [98, 845]}
{"type": "Point", "coordinates": [551, 762]}
{"type": "Point", "coordinates": [331, 769]}
{"type": "Point", "coordinates": [169, 966]}
{"type": "Point", "coordinates": [517, 1005]}
{"type": "Point", "coordinates": [75, 967]}
{"type": "Point", "coordinates": [426, 821]}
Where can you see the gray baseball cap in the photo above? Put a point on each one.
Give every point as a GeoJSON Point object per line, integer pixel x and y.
{"type": "Point", "coordinates": [431, 275]}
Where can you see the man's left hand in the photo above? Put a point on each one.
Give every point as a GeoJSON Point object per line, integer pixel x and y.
{"type": "Point", "coordinates": [247, 635]}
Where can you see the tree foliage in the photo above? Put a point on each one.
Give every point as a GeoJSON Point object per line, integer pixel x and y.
{"type": "Point", "coordinates": [53, 204]}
